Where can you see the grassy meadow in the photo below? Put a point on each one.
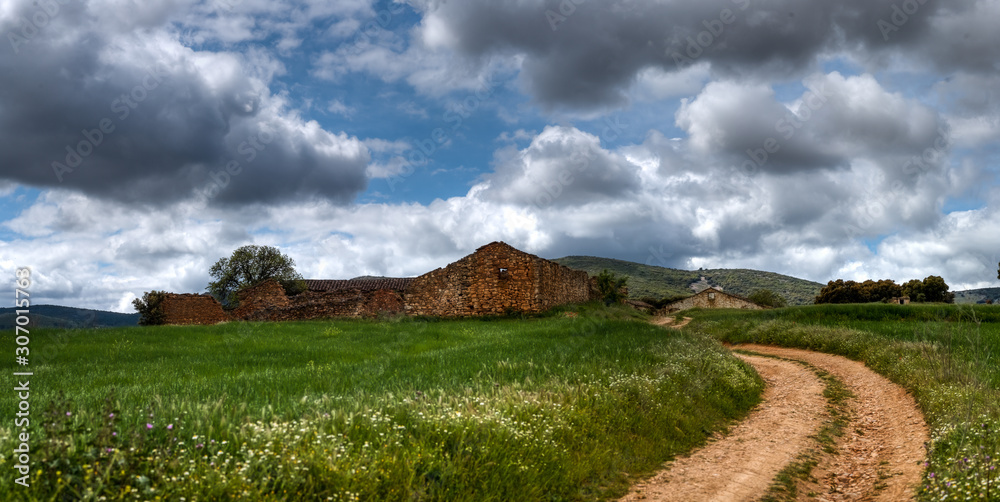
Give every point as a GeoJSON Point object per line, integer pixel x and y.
{"type": "Point", "coordinates": [546, 408]}
{"type": "Point", "coordinates": [948, 356]}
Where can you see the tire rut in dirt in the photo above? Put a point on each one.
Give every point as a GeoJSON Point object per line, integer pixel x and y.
{"type": "Point", "coordinates": [741, 465]}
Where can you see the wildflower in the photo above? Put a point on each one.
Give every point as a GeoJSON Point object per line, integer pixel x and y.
{"type": "Point", "coordinates": [170, 427]}
{"type": "Point", "coordinates": [68, 413]}
{"type": "Point", "coordinates": [111, 415]}
{"type": "Point", "coordinates": [149, 426]}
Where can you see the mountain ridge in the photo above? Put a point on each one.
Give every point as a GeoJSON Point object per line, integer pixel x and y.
{"type": "Point", "coordinates": [978, 295]}
{"type": "Point", "coordinates": [59, 316]}
{"type": "Point", "coordinates": [651, 281]}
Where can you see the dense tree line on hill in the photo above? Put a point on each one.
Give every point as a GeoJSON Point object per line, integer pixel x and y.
{"type": "Point", "coordinates": [931, 289]}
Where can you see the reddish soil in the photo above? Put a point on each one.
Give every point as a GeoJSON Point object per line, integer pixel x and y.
{"type": "Point", "coordinates": [878, 458]}
{"type": "Point", "coordinates": [741, 465]}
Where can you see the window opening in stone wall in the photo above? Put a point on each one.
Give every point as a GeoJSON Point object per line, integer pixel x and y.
{"type": "Point", "coordinates": [711, 296]}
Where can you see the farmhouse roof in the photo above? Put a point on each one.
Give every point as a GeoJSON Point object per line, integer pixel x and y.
{"type": "Point", "coordinates": [639, 304]}
{"type": "Point", "coordinates": [712, 289]}
{"type": "Point", "coordinates": [393, 283]}
{"type": "Point", "coordinates": [705, 292]}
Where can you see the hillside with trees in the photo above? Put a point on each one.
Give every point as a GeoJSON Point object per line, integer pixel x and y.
{"type": "Point", "coordinates": [982, 295]}
{"type": "Point", "coordinates": [57, 316]}
{"type": "Point", "coordinates": [649, 281]}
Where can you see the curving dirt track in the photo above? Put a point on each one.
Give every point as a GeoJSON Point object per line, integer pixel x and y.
{"type": "Point", "coordinates": [878, 458]}
{"type": "Point", "coordinates": [669, 322]}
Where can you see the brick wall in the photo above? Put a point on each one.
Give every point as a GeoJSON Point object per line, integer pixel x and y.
{"type": "Point", "coordinates": [494, 280]}
{"type": "Point", "coordinates": [192, 309]}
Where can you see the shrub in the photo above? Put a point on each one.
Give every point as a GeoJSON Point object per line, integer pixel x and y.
{"type": "Point", "coordinates": [150, 308]}
{"type": "Point", "coordinates": [611, 287]}
{"type": "Point", "coordinates": [767, 298]}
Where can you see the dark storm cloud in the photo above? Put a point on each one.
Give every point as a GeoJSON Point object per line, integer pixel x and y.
{"type": "Point", "coordinates": [834, 122]}
{"type": "Point", "coordinates": [586, 53]}
{"type": "Point", "coordinates": [137, 117]}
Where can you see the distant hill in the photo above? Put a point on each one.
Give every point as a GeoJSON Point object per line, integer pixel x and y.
{"type": "Point", "coordinates": [56, 316]}
{"type": "Point", "coordinates": [659, 282]}
{"type": "Point", "coordinates": [978, 295]}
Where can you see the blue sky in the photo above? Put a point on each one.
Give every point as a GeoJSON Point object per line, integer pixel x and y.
{"type": "Point", "coordinates": [141, 143]}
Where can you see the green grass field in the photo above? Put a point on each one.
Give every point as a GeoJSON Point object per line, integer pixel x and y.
{"type": "Point", "coordinates": [549, 408]}
{"type": "Point", "coordinates": [948, 356]}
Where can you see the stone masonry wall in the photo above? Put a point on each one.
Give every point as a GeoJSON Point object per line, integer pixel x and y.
{"type": "Point", "coordinates": [720, 301]}
{"type": "Point", "coordinates": [494, 280]}
{"type": "Point", "coordinates": [192, 309]}
{"type": "Point", "coordinates": [344, 303]}
{"type": "Point", "coordinates": [264, 295]}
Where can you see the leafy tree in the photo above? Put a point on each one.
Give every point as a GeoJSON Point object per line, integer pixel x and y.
{"type": "Point", "coordinates": [936, 290]}
{"type": "Point", "coordinates": [931, 289]}
{"type": "Point", "coordinates": [150, 308]}
{"type": "Point", "coordinates": [249, 266]}
{"type": "Point", "coordinates": [610, 287]}
{"type": "Point", "coordinates": [840, 291]}
{"type": "Point", "coordinates": [767, 298]}
{"type": "Point", "coordinates": [915, 290]}
{"type": "Point", "coordinates": [880, 291]}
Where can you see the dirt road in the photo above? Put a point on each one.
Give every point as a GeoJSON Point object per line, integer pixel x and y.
{"type": "Point", "coordinates": [878, 458]}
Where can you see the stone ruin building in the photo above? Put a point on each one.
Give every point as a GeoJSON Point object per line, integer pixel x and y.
{"type": "Point", "coordinates": [495, 279]}
{"type": "Point", "coordinates": [711, 298]}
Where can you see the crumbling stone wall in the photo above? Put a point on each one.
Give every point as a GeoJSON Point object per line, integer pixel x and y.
{"type": "Point", "coordinates": [496, 279]}
{"type": "Point", "coordinates": [343, 303]}
{"type": "Point", "coordinates": [712, 298]}
{"type": "Point", "coordinates": [264, 295]}
{"type": "Point", "coordinates": [192, 309]}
